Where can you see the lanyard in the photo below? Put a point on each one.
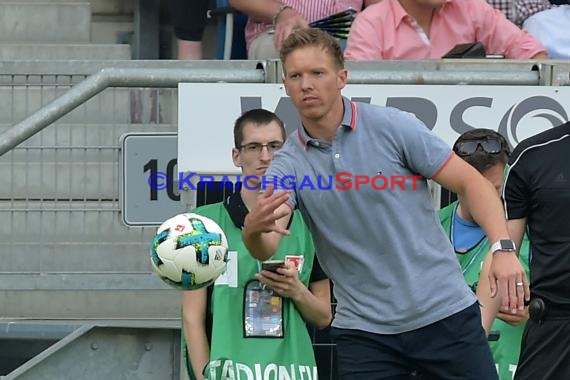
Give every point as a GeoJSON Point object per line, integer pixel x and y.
{"type": "Point", "coordinates": [480, 245]}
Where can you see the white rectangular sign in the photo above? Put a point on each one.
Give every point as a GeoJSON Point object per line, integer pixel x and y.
{"type": "Point", "coordinates": [207, 112]}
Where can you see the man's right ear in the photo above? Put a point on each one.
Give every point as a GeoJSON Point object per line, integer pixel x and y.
{"type": "Point", "coordinates": [236, 157]}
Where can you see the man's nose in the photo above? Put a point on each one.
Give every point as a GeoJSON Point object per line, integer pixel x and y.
{"type": "Point", "coordinates": [306, 82]}
{"type": "Point", "coordinates": [265, 154]}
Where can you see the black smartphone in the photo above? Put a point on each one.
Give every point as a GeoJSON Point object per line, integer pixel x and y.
{"type": "Point", "coordinates": [468, 50]}
{"type": "Point", "coordinates": [272, 265]}
{"type": "Point", "coordinates": [494, 336]}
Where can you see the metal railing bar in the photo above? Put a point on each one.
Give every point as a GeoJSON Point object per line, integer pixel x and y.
{"type": "Point", "coordinates": [118, 77]}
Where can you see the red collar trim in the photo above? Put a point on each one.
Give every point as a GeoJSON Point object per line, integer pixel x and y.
{"type": "Point", "coordinates": [301, 139]}
{"type": "Point", "coordinates": [352, 125]}
{"type": "Point", "coordinates": [353, 116]}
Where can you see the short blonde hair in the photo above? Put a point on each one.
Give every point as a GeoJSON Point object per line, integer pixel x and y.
{"type": "Point", "coordinates": [312, 37]}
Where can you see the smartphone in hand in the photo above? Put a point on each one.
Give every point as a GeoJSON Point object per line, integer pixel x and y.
{"type": "Point", "coordinates": [272, 265]}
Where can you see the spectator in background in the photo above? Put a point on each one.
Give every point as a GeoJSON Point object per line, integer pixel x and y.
{"type": "Point", "coordinates": [189, 22]}
{"type": "Point", "coordinates": [545, 22]}
{"type": "Point", "coordinates": [550, 27]}
{"type": "Point", "coordinates": [271, 21]}
{"type": "Point", "coordinates": [517, 11]}
{"type": "Point", "coordinates": [488, 152]}
{"type": "Point", "coordinates": [428, 29]}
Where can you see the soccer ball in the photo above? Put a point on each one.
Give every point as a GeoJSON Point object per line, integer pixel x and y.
{"type": "Point", "coordinates": [189, 251]}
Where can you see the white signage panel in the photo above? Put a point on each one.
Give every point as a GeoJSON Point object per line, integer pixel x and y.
{"type": "Point", "coordinates": [207, 112]}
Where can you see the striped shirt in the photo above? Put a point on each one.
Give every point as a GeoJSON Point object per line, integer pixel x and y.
{"type": "Point", "coordinates": [517, 11]}
{"type": "Point", "coordinates": [312, 10]}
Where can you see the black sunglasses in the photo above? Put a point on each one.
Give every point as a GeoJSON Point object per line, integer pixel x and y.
{"type": "Point", "coordinates": [468, 147]}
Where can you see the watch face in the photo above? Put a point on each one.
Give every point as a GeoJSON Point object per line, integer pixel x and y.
{"type": "Point", "coordinates": [507, 245]}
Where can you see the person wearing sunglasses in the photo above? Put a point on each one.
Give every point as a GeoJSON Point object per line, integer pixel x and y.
{"type": "Point", "coordinates": [257, 316]}
{"type": "Point", "coordinates": [536, 196]}
{"type": "Point", "coordinates": [488, 152]}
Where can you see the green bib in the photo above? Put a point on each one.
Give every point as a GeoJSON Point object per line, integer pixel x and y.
{"type": "Point", "coordinates": [506, 350]}
{"type": "Point", "coordinates": [233, 356]}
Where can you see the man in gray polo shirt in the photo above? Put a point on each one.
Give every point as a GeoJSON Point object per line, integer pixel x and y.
{"type": "Point", "coordinates": [403, 304]}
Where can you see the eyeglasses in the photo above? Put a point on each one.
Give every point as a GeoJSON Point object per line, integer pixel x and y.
{"type": "Point", "coordinates": [468, 147]}
{"type": "Point", "coordinates": [258, 147]}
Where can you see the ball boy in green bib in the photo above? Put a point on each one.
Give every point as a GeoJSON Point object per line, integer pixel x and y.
{"type": "Point", "coordinates": [258, 316]}
{"type": "Point", "coordinates": [488, 152]}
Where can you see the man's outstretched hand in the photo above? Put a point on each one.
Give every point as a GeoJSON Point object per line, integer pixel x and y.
{"type": "Point", "coordinates": [269, 208]}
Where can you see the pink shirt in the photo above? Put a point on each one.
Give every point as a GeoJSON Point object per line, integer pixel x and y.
{"type": "Point", "coordinates": [385, 31]}
{"type": "Point", "coordinates": [312, 10]}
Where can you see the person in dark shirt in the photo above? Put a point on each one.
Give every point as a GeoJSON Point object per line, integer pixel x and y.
{"type": "Point", "coordinates": [536, 194]}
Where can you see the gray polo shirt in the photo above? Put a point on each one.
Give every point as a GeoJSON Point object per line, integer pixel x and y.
{"type": "Point", "coordinates": [382, 244]}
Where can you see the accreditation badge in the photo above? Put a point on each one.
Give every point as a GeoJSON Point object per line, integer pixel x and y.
{"type": "Point", "coordinates": [297, 260]}
{"type": "Point", "coordinates": [263, 311]}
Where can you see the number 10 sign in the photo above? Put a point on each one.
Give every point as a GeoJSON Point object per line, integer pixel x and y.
{"type": "Point", "coordinates": [148, 178]}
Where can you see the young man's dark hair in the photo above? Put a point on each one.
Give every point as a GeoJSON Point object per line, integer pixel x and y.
{"type": "Point", "coordinates": [482, 148]}
{"type": "Point", "coordinates": [258, 116]}
{"type": "Point", "coordinates": [488, 152]}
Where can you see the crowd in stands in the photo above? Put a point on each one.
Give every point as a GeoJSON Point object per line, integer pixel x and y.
{"type": "Point", "coordinates": [545, 20]}
{"type": "Point", "coordinates": [270, 22]}
{"type": "Point", "coordinates": [393, 29]}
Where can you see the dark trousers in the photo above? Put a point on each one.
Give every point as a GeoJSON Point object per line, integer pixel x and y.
{"type": "Point", "coordinates": [545, 350]}
{"type": "Point", "coordinates": [453, 348]}
{"type": "Point", "coordinates": [188, 18]}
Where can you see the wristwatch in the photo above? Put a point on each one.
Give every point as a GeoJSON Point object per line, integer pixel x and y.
{"type": "Point", "coordinates": [278, 13]}
{"type": "Point", "coordinates": [503, 245]}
